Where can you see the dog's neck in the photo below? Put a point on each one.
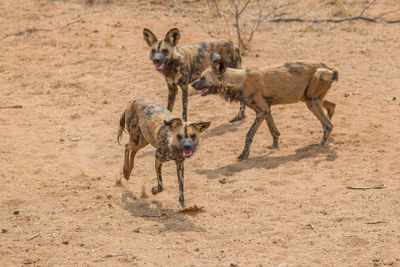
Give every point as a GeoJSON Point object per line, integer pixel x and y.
{"type": "Point", "coordinates": [232, 84]}
{"type": "Point", "coordinates": [172, 64]}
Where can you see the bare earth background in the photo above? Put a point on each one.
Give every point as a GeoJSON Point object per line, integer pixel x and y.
{"type": "Point", "coordinates": [59, 157]}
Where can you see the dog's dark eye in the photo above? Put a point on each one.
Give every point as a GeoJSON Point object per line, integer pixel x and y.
{"type": "Point", "coordinates": [165, 51]}
{"type": "Point", "coordinates": [179, 137]}
{"type": "Point", "coordinates": [153, 51]}
{"type": "Point", "coordinates": [202, 79]}
{"type": "Point", "coordinates": [193, 136]}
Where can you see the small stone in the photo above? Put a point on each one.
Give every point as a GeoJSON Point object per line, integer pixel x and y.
{"type": "Point", "coordinates": [66, 242]}
{"type": "Point", "coordinates": [394, 98]}
{"type": "Point", "coordinates": [196, 249]}
{"type": "Point", "coordinates": [16, 212]}
{"type": "Point", "coordinates": [4, 231]}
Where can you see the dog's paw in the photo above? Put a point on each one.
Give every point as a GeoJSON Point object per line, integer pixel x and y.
{"type": "Point", "coordinates": [243, 156]}
{"type": "Point", "coordinates": [157, 189]}
{"type": "Point", "coordinates": [237, 118]}
{"type": "Point", "coordinates": [126, 174]}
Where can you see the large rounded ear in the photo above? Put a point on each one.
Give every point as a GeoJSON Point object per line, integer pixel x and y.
{"type": "Point", "coordinates": [172, 37]}
{"type": "Point", "coordinates": [172, 124]}
{"type": "Point", "coordinates": [149, 37]}
{"type": "Point", "coordinates": [201, 126]}
{"type": "Point", "coordinates": [218, 64]}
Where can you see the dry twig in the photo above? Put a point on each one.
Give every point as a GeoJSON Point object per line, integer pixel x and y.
{"type": "Point", "coordinates": [69, 23]}
{"type": "Point", "coordinates": [34, 236]}
{"type": "Point", "coordinates": [378, 186]}
{"type": "Point", "coordinates": [378, 222]}
{"type": "Point", "coordinates": [312, 226]}
{"type": "Point", "coordinates": [16, 106]}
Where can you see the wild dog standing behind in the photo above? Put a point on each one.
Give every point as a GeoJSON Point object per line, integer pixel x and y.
{"type": "Point", "coordinates": [181, 65]}
{"type": "Point", "coordinates": [148, 122]}
{"type": "Point", "coordinates": [306, 81]}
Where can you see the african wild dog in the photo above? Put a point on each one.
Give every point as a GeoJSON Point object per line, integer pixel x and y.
{"type": "Point", "coordinates": [183, 64]}
{"type": "Point", "coordinates": [306, 81]}
{"type": "Point", "coordinates": [148, 122]}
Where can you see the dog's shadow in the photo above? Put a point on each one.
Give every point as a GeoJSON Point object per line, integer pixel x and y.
{"type": "Point", "coordinates": [266, 162]}
{"type": "Point", "coordinates": [223, 128]}
{"type": "Point", "coordinates": [154, 211]}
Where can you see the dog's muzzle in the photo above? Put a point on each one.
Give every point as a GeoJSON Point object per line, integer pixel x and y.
{"type": "Point", "coordinates": [199, 87]}
{"type": "Point", "coordinates": [159, 62]}
{"type": "Point", "coordinates": [187, 148]}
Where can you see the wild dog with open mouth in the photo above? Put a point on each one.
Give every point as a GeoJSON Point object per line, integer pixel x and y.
{"type": "Point", "coordinates": [306, 81]}
{"type": "Point", "coordinates": [183, 64]}
{"type": "Point", "coordinates": [148, 122]}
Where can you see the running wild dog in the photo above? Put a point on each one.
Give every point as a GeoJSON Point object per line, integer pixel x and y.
{"type": "Point", "coordinates": [306, 81]}
{"type": "Point", "coordinates": [181, 65]}
{"type": "Point", "coordinates": [148, 122]}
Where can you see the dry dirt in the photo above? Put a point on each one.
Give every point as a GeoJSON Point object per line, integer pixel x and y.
{"type": "Point", "coordinates": [59, 157]}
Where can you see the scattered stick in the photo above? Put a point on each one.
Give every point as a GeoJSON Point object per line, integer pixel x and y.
{"type": "Point", "coordinates": [312, 226]}
{"type": "Point", "coordinates": [360, 16]}
{"type": "Point", "coordinates": [73, 140]}
{"type": "Point", "coordinates": [378, 186]}
{"type": "Point", "coordinates": [34, 236]}
{"type": "Point", "coordinates": [115, 255]}
{"type": "Point", "coordinates": [68, 24]}
{"type": "Point", "coordinates": [378, 222]}
{"type": "Point", "coordinates": [16, 106]}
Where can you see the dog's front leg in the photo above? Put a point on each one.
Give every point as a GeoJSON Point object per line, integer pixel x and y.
{"type": "Point", "coordinates": [157, 189]}
{"type": "Point", "coordinates": [240, 114]}
{"type": "Point", "coordinates": [180, 172]}
{"type": "Point", "coordinates": [184, 101]}
{"type": "Point", "coordinates": [172, 91]}
{"type": "Point", "coordinates": [260, 116]}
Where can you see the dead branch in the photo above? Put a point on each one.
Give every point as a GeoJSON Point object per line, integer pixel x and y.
{"type": "Point", "coordinates": [378, 186]}
{"type": "Point", "coordinates": [33, 30]}
{"type": "Point", "coordinates": [25, 32]}
{"type": "Point", "coordinates": [378, 222]}
{"type": "Point", "coordinates": [360, 16]}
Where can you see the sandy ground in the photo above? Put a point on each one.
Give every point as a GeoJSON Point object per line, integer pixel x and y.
{"type": "Point", "coordinates": [59, 157]}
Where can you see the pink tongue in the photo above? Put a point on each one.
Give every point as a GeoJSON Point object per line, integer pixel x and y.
{"type": "Point", "coordinates": [187, 153]}
{"type": "Point", "coordinates": [159, 66]}
{"type": "Point", "coordinates": [203, 91]}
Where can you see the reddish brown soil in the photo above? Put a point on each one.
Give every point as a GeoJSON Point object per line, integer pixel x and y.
{"type": "Point", "coordinates": [59, 156]}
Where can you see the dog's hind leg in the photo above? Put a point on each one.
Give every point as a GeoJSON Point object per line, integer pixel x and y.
{"type": "Point", "coordinates": [240, 114]}
{"type": "Point", "coordinates": [273, 130]}
{"type": "Point", "coordinates": [131, 149]}
{"type": "Point", "coordinates": [260, 116]}
{"type": "Point", "coordinates": [316, 108]}
{"type": "Point", "coordinates": [157, 189]}
{"type": "Point", "coordinates": [172, 91]}
{"type": "Point", "coordinates": [330, 108]}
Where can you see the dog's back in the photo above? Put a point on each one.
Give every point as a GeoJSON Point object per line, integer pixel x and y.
{"type": "Point", "coordinates": [196, 57]}
{"type": "Point", "coordinates": [144, 118]}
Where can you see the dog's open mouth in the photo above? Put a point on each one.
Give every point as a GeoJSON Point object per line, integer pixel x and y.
{"type": "Point", "coordinates": [160, 66]}
{"type": "Point", "coordinates": [187, 153]}
{"type": "Point", "coordinates": [204, 92]}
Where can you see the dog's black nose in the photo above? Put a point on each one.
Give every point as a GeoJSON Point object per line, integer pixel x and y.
{"type": "Point", "coordinates": [187, 147]}
{"type": "Point", "coordinates": [156, 61]}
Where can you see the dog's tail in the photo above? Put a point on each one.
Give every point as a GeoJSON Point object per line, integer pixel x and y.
{"type": "Point", "coordinates": [326, 74]}
{"type": "Point", "coordinates": [121, 127]}
{"type": "Point", "coordinates": [321, 82]}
